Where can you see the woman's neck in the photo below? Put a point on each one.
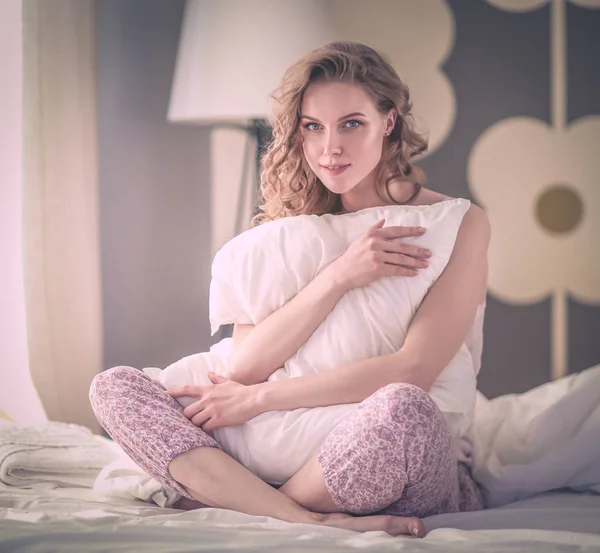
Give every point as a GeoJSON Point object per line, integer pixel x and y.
{"type": "Point", "coordinates": [362, 197]}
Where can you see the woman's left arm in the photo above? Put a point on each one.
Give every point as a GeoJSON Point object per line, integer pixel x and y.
{"type": "Point", "coordinates": [436, 333]}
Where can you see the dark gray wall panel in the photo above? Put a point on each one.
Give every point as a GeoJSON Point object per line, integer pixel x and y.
{"type": "Point", "coordinates": [499, 68]}
{"type": "Point", "coordinates": [584, 335]}
{"type": "Point", "coordinates": [154, 192]}
{"type": "Point", "coordinates": [516, 354]}
{"type": "Point", "coordinates": [583, 62]}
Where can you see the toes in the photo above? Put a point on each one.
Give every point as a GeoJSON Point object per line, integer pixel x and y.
{"type": "Point", "coordinates": [416, 527]}
{"type": "Point", "coordinates": [393, 525]}
{"type": "Point", "coordinates": [398, 526]}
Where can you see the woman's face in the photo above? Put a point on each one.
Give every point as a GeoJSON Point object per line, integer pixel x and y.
{"type": "Point", "coordinates": [342, 136]}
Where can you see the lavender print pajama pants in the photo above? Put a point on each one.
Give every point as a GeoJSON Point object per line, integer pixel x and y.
{"type": "Point", "coordinates": [393, 455]}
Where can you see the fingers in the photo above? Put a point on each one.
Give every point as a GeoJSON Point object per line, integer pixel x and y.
{"type": "Point", "coordinates": [399, 232]}
{"type": "Point", "coordinates": [398, 270]}
{"type": "Point", "coordinates": [395, 264]}
{"type": "Point", "coordinates": [197, 413]}
{"type": "Point", "coordinates": [406, 249]}
{"type": "Point", "coordinates": [189, 390]}
{"type": "Point", "coordinates": [378, 225]}
{"type": "Point", "coordinates": [200, 419]}
{"type": "Point", "coordinates": [193, 409]}
{"type": "Point", "coordinates": [392, 258]}
{"type": "Point", "coordinates": [200, 416]}
{"type": "Point", "coordinates": [210, 425]}
{"type": "Point", "coordinates": [216, 379]}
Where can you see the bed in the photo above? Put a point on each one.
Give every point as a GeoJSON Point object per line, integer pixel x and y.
{"type": "Point", "coordinates": [537, 456]}
{"type": "Point", "coordinates": [82, 520]}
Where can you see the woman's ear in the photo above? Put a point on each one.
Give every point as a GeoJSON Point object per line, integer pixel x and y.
{"type": "Point", "coordinates": [390, 121]}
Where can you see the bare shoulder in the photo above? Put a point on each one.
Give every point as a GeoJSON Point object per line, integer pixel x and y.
{"type": "Point", "coordinates": [471, 246]}
{"type": "Point", "coordinates": [475, 226]}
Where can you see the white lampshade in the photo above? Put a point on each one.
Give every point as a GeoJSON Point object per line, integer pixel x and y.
{"type": "Point", "coordinates": [233, 53]}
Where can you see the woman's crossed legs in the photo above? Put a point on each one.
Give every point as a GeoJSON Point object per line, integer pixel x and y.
{"type": "Point", "coordinates": [391, 456]}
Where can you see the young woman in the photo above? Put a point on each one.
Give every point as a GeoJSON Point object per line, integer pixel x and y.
{"type": "Point", "coordinates": [343, 141]}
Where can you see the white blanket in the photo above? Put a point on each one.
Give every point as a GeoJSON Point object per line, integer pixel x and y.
{"type": "Point", "coordinates": [50, 455]}
{"type": "Point", "coordinates": [541, 440]}
{"type": "Point", "coordinates": [124, 479]}
{"type": "Point", "coordinates": [545, 439]}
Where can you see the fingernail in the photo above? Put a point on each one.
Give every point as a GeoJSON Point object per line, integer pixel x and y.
{"type": "Point", "coordinates": [422, 229]}
{"type": "Point", "coordinates": [428, 253]}
{"type": "Point", "coordinates": [414, 530]}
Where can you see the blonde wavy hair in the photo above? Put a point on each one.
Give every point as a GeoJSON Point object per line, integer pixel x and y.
{"type": "Point", "coordinates": [288, 186]}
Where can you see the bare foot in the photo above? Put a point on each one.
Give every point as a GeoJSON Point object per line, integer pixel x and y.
{"type": "Point", "coordinates": [393, 525]}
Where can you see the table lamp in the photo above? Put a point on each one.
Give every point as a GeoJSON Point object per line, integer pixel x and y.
{"type": "Point", "coordinates": [232, 55]}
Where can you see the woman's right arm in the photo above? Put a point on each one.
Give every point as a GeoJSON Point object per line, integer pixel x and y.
{"type": "Point", "coordinates": [258, 351]}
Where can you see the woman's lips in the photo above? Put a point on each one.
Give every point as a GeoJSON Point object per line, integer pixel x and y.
{"type": "Point", "coordinates": [335, 170]}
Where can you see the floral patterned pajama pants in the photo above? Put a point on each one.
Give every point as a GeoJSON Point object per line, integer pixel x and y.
{"type": "Point", "coordinates": [393, 455]}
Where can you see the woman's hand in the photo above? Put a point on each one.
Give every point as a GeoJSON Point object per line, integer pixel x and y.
{"type": "Point", "coordinates": [227, 403]}
{"type": "Point", "coordinates": [377, 253]}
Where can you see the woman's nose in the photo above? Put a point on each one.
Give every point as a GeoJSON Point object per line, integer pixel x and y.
{"type": "Point", "coordinates": [332, 145]}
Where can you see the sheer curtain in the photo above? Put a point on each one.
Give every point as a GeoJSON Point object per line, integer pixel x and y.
{"type": "Point", "coordinates": [60, 206]}
{"type": "Point", "coordinates": [18, 397]}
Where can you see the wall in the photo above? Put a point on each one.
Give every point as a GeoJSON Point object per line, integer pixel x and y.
{"type": "Point", "coordinates": [154, 192]}
{"type": "Point", "coordinates": [513, 71]}
{"type": "Point", "coordinates": [474, 68]}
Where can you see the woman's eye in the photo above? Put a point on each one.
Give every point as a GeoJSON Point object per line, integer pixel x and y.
{"type": "Point", "coordinates": [350, 124]}
{"type": "Point", "coordinates": [312, 126]}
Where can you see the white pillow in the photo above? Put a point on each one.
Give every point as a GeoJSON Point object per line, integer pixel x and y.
{"type": "Point", "coordinates": [260, 270]}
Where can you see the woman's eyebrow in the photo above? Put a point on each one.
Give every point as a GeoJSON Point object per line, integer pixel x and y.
{"type": "Point", "coordinates": [354, 114]}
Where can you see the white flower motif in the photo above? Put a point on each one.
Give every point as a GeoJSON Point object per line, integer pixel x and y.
{"type": "Point", "coordinates": [417, 38]}
{"type": "Point", "coordinates": [510, 168]}
{"type": "Point", "coordinates": [515, 167]}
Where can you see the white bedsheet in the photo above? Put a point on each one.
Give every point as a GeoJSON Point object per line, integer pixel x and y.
{"type": "Point", "coordinates": [78, 521]}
